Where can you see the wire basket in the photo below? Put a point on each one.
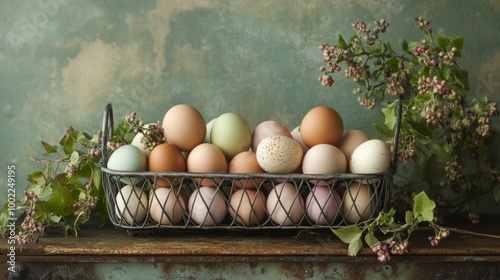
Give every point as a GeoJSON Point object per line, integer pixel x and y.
{"type": "Point", "coordinates": [242, 201]}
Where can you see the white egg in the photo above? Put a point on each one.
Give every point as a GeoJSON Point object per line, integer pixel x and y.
{"type": "Point", "coordinates": [358, 204]}
{"type": "Point", "coordinates": [372, 156]}
{"type": "Point", "coordinates": [207, 206]}
{"type": "Point", "coordinates": [285, 205]}
{"type": "Point", "coordinates": [131, 204]}
{"type": "Point", "coordinates": [166, 206]}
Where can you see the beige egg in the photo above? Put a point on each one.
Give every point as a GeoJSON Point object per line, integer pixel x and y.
{"type": "Point", "coordinates": [372, 156]}
{"type": "Point", "coordinates": [166, 206]}
{"type": "Point", "coordinates": [279, 154]}
{"type": "Point", "coordinates": [131, 204]}
{"type": "Point", "coordinates": [350, 141]}
{"type": "Point", "coordinates": [285, 205]}
{"type": "Point", "coordinates": [358, 204]}
{"type": "Point", "coordinates": [247, 207]}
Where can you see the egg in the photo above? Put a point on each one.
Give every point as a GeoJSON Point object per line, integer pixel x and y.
{"type": "Point", "coordinates": [207, 158]}
{"type": "Point", "coordinates": [184, 127]}
{"type": "Point", "coordinates": [131, 204]}
{"type": "Point", "coordinates": [322, 205]}
{"type": "Point", "coordinates": [247, 207]}
{"type": "Point", "coordinates": [166, 206]}
{"type": "Point", "coordinates": [285, 205]}
{"type": "Point", "coordinates": [209, 130]}
{"type": "Point", "coordinates": [324, 159]}
{"type": "Point", "coordinates": [372, 156]}
{"type": "Point", "coordinates": [321, 125]}
{"type": "Point", "coordinates": [358, 204]}
{"type": "Point", "coordinates": [207, 206]}
{"type": "Point", "coordinates": [166, 158]}
{"type": "Point", "coordinates": [350, 141]}
{"type": "Point", "coordinates": [128, 158]}
{"type": "Point", "coordinates": [246, 162]}
{"type": "Point", "coordinates": [266, 129]}
{"type": "Point", "coordinates": [232, 134]}
{"type": "Point", "coordinates": [296, 136]}
{"type": "Point", "coordinates": [279, 154]}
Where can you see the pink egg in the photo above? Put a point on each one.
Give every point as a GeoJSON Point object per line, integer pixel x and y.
{"type": "Point", "coordinates": [322, 205]}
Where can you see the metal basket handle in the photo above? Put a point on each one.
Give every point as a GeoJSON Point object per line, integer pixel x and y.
{"type": "Point", "coordinates": [107, 132]}
{"type": "Point", "coordinates": [399, 115]}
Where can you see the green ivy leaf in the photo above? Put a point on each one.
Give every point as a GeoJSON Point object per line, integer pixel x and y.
{"type": "Point", "coordinates": [49, 149]}
{"type": "Point", "coordinates": [423, 207]}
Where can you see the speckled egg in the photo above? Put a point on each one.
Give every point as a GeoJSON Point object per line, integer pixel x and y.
{"type": "Point", "coordinates": [279, 154]}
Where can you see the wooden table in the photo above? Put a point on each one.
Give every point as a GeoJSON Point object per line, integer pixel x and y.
{"type": "Point", "coordinates": [109, 253]}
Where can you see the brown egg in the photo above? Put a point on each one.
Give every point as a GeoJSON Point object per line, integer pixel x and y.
{"type": "Point", "coordinates": [248, 207]}
{"type": "Point", "coordinates": [166, 158]}
{"type": "Point", "coordinates": [184, 127]}
{"type": "Point", "coordinates": [246, 162]}
{"type": "Point", "coordinates": [207, 158]}
{"type": "Point", "coordinates": [350, 141]}
{"type": "Point", "coordinates": [321, 125]}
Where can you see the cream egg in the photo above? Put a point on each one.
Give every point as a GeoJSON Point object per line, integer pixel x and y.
{"type": "Point", "coordinates": [372, 156]}
{"type": "Point", "coordinates": [350, 141]}
{"type": "Point", "coordinates": [131, 204]}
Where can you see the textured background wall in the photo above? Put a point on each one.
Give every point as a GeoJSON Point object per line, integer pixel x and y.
{"type": "Point", "coordinates": [62, 61]}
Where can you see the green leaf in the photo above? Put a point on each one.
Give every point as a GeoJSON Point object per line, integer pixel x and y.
{"type": "Point", "coordinates": [423, 207]}
{"type": "Point", "coordinates": [49, 149]}
{"type": "Point", "coordinates": [393, 63]}
{"type": "Point", "coordinates": [341, 43]}
{"type": "Point", "coordinates": [390, 118]}
{"type": "Point", "coordinates": [68, 143]}
{"type": "Point", "coordinates": [60, 203]}
{"type": "Point", "coordinates": [355, 246]}
{"type": "Point", "coordinates": [496, 193]}
{"type": "Point", "coordinates": [348, 234]}
{"type": "Point", "coordinates": [370, 239]}
{"type": "Point", "coordinates": [74, 158]}
{"type": "Point", "coordinates": [409, 218]}
{"type": "Point", "coordinates": [458, 43]}
{"type": "Point", "coordinates": [443, 42]}
{"type": "Point", "coordinates": [37, 178]}
{"type": "Point", "coordinates": [405, 46]}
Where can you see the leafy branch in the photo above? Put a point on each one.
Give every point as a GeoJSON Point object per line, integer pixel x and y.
{"type": "Point", "coordinates": [441, 125]}
{"type": "Point", "coordinates": [68, 190]}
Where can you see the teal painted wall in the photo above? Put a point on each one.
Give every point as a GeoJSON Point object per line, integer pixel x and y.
{"type": "Point", "coordinates": [62, 61]}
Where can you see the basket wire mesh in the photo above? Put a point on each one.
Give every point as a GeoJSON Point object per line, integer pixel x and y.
{"type": "Point", "coordinates": [242, 201]}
